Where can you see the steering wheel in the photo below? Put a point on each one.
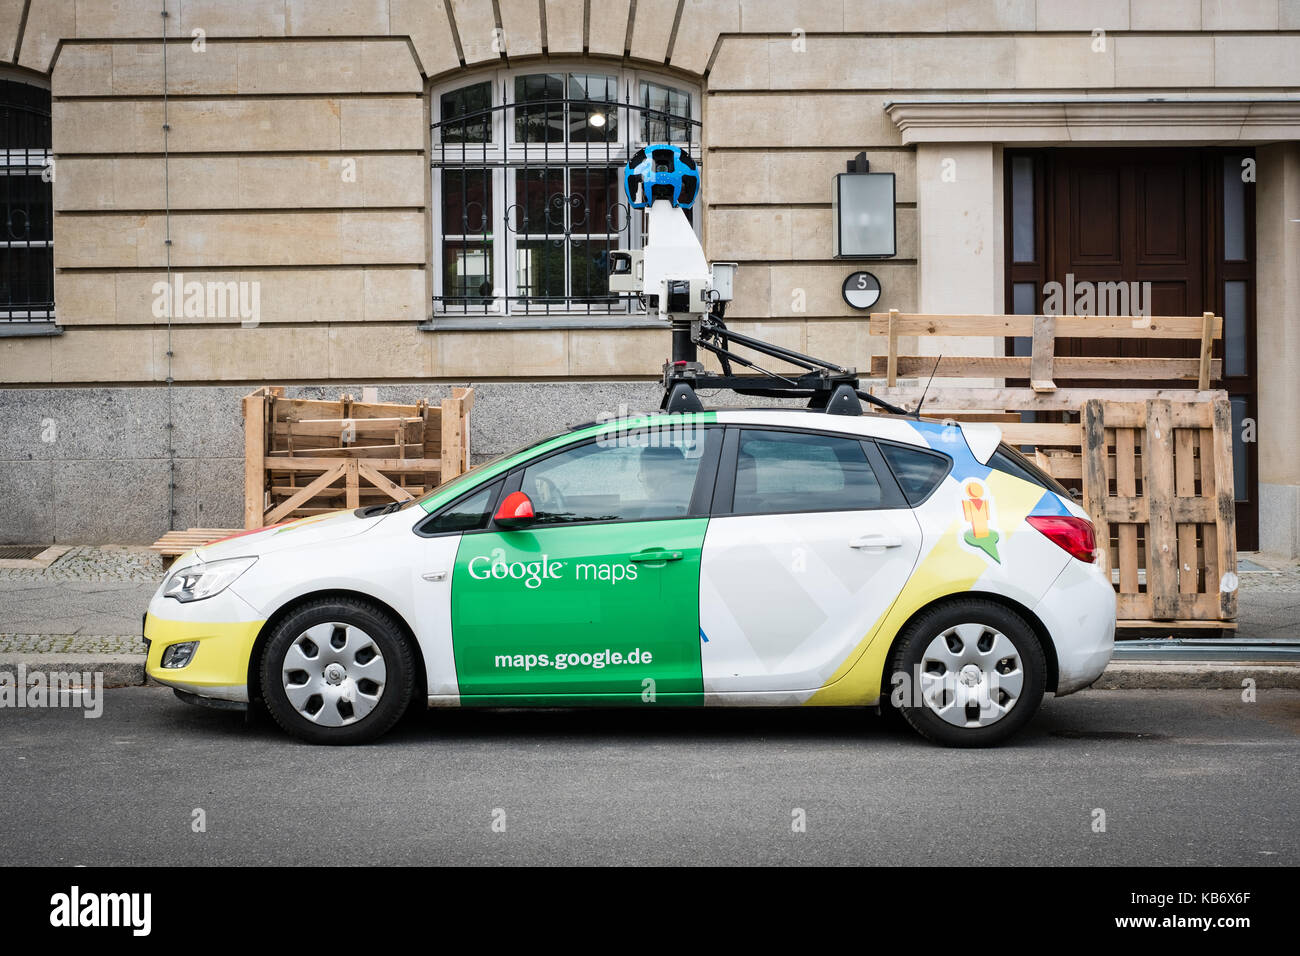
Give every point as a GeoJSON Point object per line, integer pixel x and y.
{"type": "Point", "coordinates": [548, 496]}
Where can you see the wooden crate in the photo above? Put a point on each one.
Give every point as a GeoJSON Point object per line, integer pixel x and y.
{"type": "Point", "coordinates": [304, 456]}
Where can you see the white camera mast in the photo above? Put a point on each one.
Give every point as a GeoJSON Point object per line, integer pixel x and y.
{"type": "Point", "coordinates": [676, 283]}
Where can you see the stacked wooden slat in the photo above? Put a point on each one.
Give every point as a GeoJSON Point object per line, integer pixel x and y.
{"type": "Point", "coordinates": [304, 456]}
{"type": "Point", "coordinates": [175, 543]}
{"type": "Point", "coordinates": [1043, 366]}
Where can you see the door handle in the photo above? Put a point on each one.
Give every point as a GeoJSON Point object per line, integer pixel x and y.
{"type": "Point", "coordinates": [656, 554]}
{"type": "Point", "coordinates": [873, 541]}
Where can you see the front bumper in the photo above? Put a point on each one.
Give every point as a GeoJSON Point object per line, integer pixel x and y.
{"type": "Point", "coordinates": [226, 629]}
{"type": "Point", "coordinates": [1079, 613]}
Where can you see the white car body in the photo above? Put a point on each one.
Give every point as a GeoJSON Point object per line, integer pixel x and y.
{"type": "Point", "coordinates": [794, 608]}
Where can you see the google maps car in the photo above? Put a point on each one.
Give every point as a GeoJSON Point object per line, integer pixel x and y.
{"type": "Point", "coordinates": [745, 558]}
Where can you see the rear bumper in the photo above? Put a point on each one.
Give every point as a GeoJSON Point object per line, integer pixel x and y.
{"type": "Point", "coordinates": [1079, 613]}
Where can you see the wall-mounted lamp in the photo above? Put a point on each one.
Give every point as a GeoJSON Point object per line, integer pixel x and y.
{"type": "Point", "coordinates": [863, 208]}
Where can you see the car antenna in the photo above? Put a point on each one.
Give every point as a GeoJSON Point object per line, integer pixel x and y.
{"type": "Point", "coordinates": [917, 414]}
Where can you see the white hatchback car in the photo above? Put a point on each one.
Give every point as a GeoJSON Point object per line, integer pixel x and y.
{"type": "Point", "coordinates": [751, 558]}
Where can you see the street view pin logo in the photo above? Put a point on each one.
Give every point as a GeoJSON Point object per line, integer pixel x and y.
{"type": "Point", "coordinates": [976, 511]}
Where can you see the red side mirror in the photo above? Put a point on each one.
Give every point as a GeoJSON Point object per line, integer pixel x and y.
{"type": "Point", "coordinates": [515, 512]}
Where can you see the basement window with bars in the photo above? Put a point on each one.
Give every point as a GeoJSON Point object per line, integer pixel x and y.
{"type": "Point", "coordinates": [26, 175]}
{"type": "Point", "coordinates": [528, 189]}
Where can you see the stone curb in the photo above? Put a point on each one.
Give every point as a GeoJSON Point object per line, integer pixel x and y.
{"type": "Point", "coordinates": [119, 670]}
{"type": "Point", "coordinates": [127, 670]}
{"type": "Point", "coordinates": [1201, 675]}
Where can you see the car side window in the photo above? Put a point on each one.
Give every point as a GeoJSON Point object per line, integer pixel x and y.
{"type": "Point", "coordinates": [790, 471]}
{"type": "Point", "coordinates": [918, 472]}
{"type": "Point", "coordinates": [1012, 462]}
{"type": "Point", "coordinates": [629, 477]}
{"type": "Point", "coordinates": [471, 513]}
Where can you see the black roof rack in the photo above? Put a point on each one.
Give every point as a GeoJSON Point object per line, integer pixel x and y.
{"type": "Point", "coordinates": [828, 387]}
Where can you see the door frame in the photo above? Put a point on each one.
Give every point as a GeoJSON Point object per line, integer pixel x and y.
{"type": "Point", "coordinates": [1049, 222]}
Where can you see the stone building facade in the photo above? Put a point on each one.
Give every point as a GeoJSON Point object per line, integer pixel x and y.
{"type": "Point", "coordinates": [295, 153]}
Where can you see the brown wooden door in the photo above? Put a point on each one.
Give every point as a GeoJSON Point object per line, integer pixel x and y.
{"type": "Point", "coordinates": [1132, 216]}
{"type": "Point", "coordinates": [1157, 216]}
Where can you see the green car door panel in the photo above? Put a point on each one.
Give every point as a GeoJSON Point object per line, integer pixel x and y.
{"type": "Point", "coordinates": [600, 613]}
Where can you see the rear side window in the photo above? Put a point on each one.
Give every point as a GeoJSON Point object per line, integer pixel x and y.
{"type": "Point", "coordinates": [918, 472]}
{"type": "Point", "coordinates": [1012, 462]}
{"type": "Point", "coordinates": [786, 471]}
{"type": "Point", "coordinates": [470, 513]}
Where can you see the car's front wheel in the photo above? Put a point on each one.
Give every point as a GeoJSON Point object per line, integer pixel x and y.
{"type": "Point", "coordinates": [337, 671]}
{"type": "Point", "coordinates": [969, 673]}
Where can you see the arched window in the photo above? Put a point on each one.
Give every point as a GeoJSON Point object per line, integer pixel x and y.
{"type": "Point", "coordinates": [528, 192]}
{"type": "Point", "coordinates": [26, 245]}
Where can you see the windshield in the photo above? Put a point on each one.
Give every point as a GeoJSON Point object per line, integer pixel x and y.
{"type": "Point", "coordinates": [468, 477]}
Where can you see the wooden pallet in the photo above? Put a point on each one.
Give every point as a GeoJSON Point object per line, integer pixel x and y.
{"type": "Point", "coordinates": [304, 457]}
{"type": "Point", "coordinates": [1166, 515]}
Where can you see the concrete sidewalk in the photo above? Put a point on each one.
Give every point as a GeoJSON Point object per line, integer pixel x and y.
{"type": "Point", "coordinates": [84, 611]}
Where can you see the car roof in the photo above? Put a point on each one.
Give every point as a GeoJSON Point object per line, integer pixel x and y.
{"type": "Point", "coordinates": [912, 431]}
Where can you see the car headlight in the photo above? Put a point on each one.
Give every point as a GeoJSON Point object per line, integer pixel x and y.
{"type": "Point", "coordinates": [200, 581]}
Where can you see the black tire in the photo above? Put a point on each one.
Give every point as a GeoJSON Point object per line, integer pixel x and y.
{"type": "Point", "coordinates": [354, 622]}
{"type": "Point", "coordinates": [911, 650]}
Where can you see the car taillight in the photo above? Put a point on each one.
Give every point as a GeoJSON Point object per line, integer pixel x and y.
{"type": "Point", "coordinates": [1073, 534]}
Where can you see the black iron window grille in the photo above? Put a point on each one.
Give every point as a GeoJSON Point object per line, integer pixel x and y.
{"type": "Point", "coordinates": [26, 174]}
{"type": "Point", "coordinates": [528, 191]}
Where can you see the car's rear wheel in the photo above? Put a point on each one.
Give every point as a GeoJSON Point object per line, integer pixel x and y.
{"type": "Point", "coordinates": [337, 671]}
{"type": "Point", "coordinates": [968, 673]}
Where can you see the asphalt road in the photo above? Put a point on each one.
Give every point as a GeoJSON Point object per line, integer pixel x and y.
{"type": "Point", "coordinates": [1184, 777]}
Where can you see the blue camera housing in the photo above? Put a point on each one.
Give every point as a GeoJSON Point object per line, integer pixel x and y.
{"type": "Point", "coordinates": [661, 172]}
